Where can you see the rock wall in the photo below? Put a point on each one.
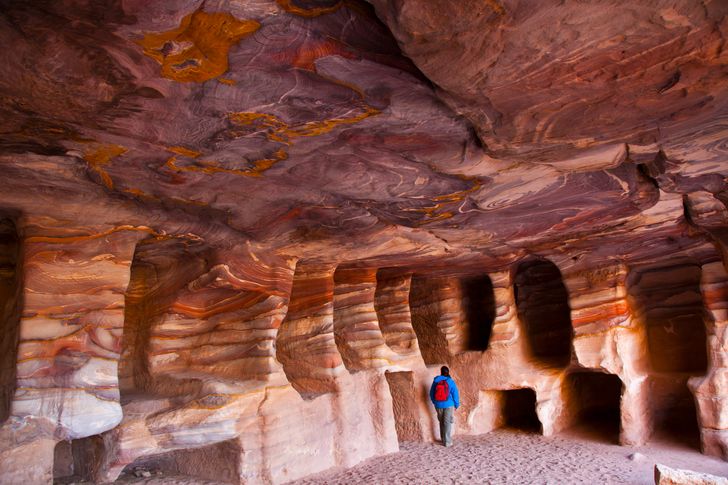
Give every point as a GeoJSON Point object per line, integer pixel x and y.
{"type": "Point", "coordinates": [204, 357]}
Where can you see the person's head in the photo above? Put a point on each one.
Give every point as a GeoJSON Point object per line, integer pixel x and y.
{"type": "Point", "coordinates": [445, 371]}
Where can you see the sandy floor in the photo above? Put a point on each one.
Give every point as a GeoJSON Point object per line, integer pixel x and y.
{"type": "Point", "coordinates": [506, 457]}
{"type": "Point", "coordinates": [516, 457]}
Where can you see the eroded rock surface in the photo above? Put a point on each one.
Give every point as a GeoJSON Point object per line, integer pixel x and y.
{"type": "Point", "coordinates": [221, 220]}
{"type": "Point", "coordinates": [665, 475]}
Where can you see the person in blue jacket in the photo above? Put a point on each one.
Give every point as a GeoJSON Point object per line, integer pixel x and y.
{"type": "Point", "coordinates": [445, 396]}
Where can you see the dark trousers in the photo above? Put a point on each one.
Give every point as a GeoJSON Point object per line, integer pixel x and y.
{"type": "Point", "coordinates": [446, 417]}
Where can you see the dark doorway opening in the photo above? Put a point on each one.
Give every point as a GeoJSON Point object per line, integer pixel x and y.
{"type": "Point", "coordinates": [11, 292]}
{"type": "Point", "coordinates": [77, 460]}
{"type": "Point", "coordinates": [406, 418]}
{"type": "Point", "coordinates": [519, 410]}
{"type": "Point", "coordinates": [669, 302]}
{"type": "Point", "coordinates": [596, 399]}
{"type": "Point", "coordinates": [479, 307]}
{"type": "Point", "coordinates": [220, 462]}
{"type": "Point", "coordinates": [676, 419]}
{"type": "Point", "coordinates": [543, 307]}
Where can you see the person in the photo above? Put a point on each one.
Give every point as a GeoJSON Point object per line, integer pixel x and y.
{"type": "Point", "coordinates": [445, 396]}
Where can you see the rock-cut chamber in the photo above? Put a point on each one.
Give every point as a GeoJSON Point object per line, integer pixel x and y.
{"type": "Point", "coordinates": [479, 309]}
{"type": "Point", "coordinates": [10, 307]}
{"type": "Point", "coordinates": [543, 307]}
{"type": "Point", "coordinates": [596, 399]}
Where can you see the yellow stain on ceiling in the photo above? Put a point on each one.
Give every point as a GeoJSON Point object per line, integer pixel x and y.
{"type": "Point", "coordinates": [197, 50]}
{"type": "Point", "coordinates": [279, 131]}
{"type": "Point", "coordinates": [445, 201]}
{"type": "Point", "coordinates": [185, 152]}
{"type": "Point", "coordinates": [276, 130]}
{"type": "Point", "coordinates": [290, 7]}
{"type": "Point", "coordinates": [98, 155]}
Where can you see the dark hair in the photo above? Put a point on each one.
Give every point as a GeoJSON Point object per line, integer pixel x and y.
{"type": "Point", "coordinates": [445, 371]}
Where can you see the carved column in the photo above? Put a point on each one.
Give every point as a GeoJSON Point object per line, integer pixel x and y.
{"type": "Point", "coordinates": [711, 390]}
{"type": "Point", "coordinates": [74, 280]}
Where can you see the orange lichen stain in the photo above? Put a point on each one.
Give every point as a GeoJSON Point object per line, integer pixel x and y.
{"type": "Point", "coordinates": [208, 167]}
{"type": "Point", "coordinates": [276, 130]}
{"type": "Point", "coordinates": [185, 152]}
{"type": "Point", "coordinates": [289, 7]}
{"type": "Point", "coordinates": [460, 195]}
{"type": "Point", "coordinates": [141, 194]}
{"type": "Point", "coordinates": [432, 213]}
{"type": "Point", "coordinates": [197, 50]}
{"type": "Point", "coordinates": [279, 131]}
{"type": "Point", "coordinates": [224, 80]}
{"type": "Point", "coordinates": [99, 156]}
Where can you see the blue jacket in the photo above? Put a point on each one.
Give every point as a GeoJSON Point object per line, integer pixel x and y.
{"type": "Point", "coordinates": [452, 400]}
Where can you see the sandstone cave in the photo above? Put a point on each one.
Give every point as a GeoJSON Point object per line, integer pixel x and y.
{"type": "Point", "coordinates": [239, 239]}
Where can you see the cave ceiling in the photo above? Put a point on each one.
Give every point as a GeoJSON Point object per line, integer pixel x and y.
{"type": "Point", "coordinates": [386, 131]}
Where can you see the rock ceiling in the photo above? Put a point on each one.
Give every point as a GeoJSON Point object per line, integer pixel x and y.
{"type": "Point", "coordinates": [399, 130]}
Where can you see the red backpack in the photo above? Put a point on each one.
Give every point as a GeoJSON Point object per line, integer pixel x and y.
{"type": "Point", "coordinates": [442, 390]}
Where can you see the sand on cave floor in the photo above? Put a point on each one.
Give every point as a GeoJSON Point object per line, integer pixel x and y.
{"type": "Point", "coordinates": [508, 456]}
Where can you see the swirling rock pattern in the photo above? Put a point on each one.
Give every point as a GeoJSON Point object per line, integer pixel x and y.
{"type": "Point", "coordinates": [356, 328]}
{"type": "Point", "coordinates": [221, 220]}
{"type": "Point", "coordinates": [391, 302]}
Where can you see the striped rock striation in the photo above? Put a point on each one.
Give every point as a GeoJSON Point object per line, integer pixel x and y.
{"type": "Point", "coordinates": [238, 239]}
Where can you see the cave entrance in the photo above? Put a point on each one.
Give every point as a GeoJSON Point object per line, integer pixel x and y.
{"type": "Point", "coordinates": [63, 466]}
{"type": "Point", "coordinates": [676, 419]}
{"type": "Point", "coordinates": [404, 404]}
{"type": "Point", "coordinates": [219, 462]}
{"type": "Point", "coordinates": [668, 301]}
{"type": "Point", "coordinates": [519, 410]}
{"type": "Point", "coordinates": [11, 291]}
{"type": "Point", "coordinates": [479, 308]}
{"type": "Point", "coordinates": [596, 399]}
{"type": "Point", "coordinates": [543, 307]}
{"type": "Point", "coordinates": [76, 460]}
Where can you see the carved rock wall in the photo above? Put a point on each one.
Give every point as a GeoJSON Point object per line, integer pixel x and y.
{"type": "Point", "coordinates": [227, 364]}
